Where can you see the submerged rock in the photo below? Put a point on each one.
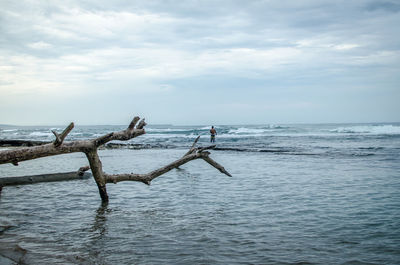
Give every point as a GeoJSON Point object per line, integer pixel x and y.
{"type": "Point", "coordinates": [12, 254]}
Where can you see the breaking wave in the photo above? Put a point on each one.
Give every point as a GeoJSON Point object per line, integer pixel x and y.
{"type": "Point", "coordinates": [368, 129]}
{"type": "Point", "coordinates": [41, 134]}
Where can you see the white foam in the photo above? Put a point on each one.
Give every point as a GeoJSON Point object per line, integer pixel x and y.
{"type": "Point", "coordinates": [165, 136]}
{"type": "Point", "coordinates": [239, 135]}
{"type": "Point", "coordinates": [47, 134]}
{"type": "Point", "coordinates": [209, 128]}
{"type": "Point", "coordinates": [369, 129]}
{"type": "Point", "coordinates": [167, 130]}
{"type": "Point", "coordinates": [244, 130]}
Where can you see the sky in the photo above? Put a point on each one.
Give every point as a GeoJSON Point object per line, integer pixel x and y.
{"type": "Point", "coordinates": [199, 62]}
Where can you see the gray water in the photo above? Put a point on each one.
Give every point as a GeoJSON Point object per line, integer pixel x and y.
{"type": "Point", "coordinates": [275, 209]}
{"type": "Point", "coordinates": [326, 194]}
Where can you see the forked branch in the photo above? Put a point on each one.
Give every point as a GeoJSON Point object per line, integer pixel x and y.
{"type": "Point", "coordinates": [59, 146]}
{"type": "Point", "coordinates": [60, 137]}
{"type": "Point", "coordinates": [192, 154]}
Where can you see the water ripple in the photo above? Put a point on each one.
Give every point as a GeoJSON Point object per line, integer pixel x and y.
{"type": "Point", "coordinates": [275, 210]}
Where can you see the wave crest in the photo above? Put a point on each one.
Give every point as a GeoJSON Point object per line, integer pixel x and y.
{"type": "Point", "coordinates": [368, 129]}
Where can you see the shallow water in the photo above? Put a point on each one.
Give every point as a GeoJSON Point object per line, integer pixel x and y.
{"type": "Point", "coordinates": [276, 209]}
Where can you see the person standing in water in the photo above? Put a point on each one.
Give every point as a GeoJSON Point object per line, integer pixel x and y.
{"type": "Point", "coordinates": [213, 133]}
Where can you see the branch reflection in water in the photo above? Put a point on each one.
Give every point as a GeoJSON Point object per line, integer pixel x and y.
{"type": "Point", "coordinates": [99, 232]}
{"type": "Point", "coordinates": [100, 221]}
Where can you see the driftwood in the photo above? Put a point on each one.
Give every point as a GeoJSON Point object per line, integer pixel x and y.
{"type": "Point", "coordinates": [13, 143]}
{"type": "Point", "coordinates": [89, 147]}
{"type": "Point", "coordinates": [9, 181]}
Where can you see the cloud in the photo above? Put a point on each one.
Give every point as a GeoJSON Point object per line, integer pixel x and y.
{"type": "Point", "coordinates": [345, 46]}
{"type": "Point", "coordinates": [40, 45]}
{"type": "Point", "coordinates": [76, 48]}
{"type": "Point", "coordinates": [387, 6]}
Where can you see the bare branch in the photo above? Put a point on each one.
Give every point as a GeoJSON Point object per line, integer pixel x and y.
{"type": "Point", "coordinates": [195, 141]}
{"type": "Point", "coordinates": [60, 137]}
{"type": "Point", "coordinates": [28, 153]}
{"type": "Point", "coordinates": [56, 142]}
{"type": "Point", "coordinates": [104, 139]}
{"type": "Point", "coordinates": [115, 178]}
{"type": "Point", "coordinates": [21, 180]}
{"type": "Point", "coordinates": [194, 153]}
{"type": "Point", "coordinates": [133, 123]}
{"type": "Point", "coordinates": [127, 134]}
{"type": "Point", "coordinates": [60, 147]}
{"type": "Point", "coordinates": [123, 135]}
{"type": "Point", "coordinates": [206, 148]}
{"type": "Point", "coordinates": [147, 178]}
{"type": "Point", "coordinates": [215, 164]}
{"type": "Point", "coordinates": [141, 124]}
{"type": "Point", "coordinates": [67, 131]}
{"type": "Point", "coordinates": [82, 170]}
{"type": "Point", "coordinates": [192, 148]}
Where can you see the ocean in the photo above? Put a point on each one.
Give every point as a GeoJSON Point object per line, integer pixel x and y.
{"type": "Point", "coordinates": [299, 194]}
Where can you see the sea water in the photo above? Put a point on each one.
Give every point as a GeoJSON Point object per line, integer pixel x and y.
{"type": "Point", "coordinates": [300, 194]}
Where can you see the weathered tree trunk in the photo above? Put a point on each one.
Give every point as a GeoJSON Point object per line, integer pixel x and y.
{"type": "Point", "coordinates": [9, 181]}
{"type": "Point", "coordinates": [97, 171]}
{"type": "Point", "coordinates": [89, 147]}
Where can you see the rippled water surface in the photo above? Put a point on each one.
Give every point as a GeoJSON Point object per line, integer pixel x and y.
{"type": "Point", "coordinates": [336, 207]}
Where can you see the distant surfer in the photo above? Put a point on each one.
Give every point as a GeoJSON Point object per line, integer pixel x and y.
{"type": "Point", "coordinates": [213, 132]}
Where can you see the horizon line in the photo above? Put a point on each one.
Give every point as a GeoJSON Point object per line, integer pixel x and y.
{"type": "Point", "coordinates": [214, 124]}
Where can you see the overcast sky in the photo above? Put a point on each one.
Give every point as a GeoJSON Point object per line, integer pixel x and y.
{"type": "Point", "coordinates": [199, 62]}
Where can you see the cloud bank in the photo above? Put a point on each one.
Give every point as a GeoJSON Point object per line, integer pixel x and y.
{"type": "Point", "coordinates": [199, 62]}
